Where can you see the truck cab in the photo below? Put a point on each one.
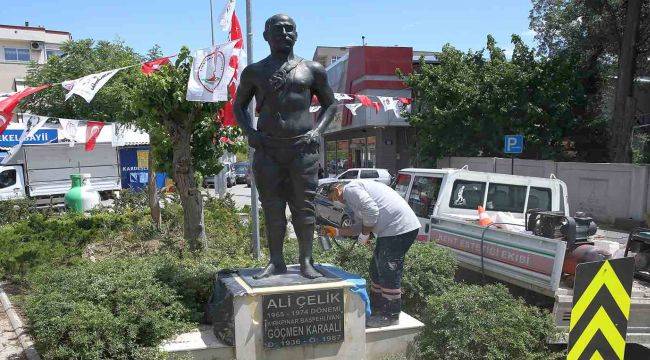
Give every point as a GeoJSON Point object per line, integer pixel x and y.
{"type": "Point", "coordinates": [12, 182]}
{"type": "Point", "coordinates": [457, 193]}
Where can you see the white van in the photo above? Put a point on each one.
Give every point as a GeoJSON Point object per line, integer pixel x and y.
{"type": "Point", "coordinates": [458, 193]}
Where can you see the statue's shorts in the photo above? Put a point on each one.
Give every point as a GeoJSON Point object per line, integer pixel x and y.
{"type": "Point", "coordinates": [286, 172]}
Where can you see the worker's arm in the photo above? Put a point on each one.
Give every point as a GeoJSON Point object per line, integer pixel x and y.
{"type": "Point", "coordinates": [364, 207]}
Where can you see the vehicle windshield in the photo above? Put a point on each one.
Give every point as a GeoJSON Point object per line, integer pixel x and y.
{"type": "Point", "coordinates": [241, 168]}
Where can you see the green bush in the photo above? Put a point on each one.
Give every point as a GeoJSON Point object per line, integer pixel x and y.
{"type": "Point", "coordinates": [57, 240]}
{"type": "Point", "coordinates": [482, 322]}
{"type": "Point", "coordinates": [113, 309]}
{"type": "Point", "coordinates": [428, 269]}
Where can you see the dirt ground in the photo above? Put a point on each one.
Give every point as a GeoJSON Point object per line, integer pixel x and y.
{"type": "Point", "coordinates": [9, 346]}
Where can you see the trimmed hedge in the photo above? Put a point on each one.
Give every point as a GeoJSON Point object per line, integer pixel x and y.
{"type": "Point", "coordinates": [483, 322]}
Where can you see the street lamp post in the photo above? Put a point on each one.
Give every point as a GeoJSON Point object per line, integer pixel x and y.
{"type": "Point", "coordinates": [251, 152]}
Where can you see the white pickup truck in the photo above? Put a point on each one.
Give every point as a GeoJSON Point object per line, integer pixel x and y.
{"type": "Point", "coordinates": [42, 172]}
{"type": "Point", "coordinates": [446, 202]}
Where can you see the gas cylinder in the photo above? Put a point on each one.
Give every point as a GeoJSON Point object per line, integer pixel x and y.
{"type": "Point", "coordinates": [81, 197]}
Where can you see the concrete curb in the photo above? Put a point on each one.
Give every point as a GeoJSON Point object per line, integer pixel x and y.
{"type": "Point", "coordinates": [19, 328]}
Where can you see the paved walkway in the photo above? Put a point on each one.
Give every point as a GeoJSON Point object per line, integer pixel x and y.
{"type": "Point", "coordinates": [9, 347]}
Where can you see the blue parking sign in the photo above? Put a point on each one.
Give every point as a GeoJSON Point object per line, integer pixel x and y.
{"type": "Point", "coordinates": [513, 144]}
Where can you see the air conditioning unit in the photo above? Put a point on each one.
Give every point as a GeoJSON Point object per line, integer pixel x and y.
{"type": "Point", "coordinates": [36, 45]}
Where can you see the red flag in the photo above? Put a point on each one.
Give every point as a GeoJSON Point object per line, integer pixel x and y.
{"type": "Point", "coordinates": [150, 67]}
{"type": "Point", "coordinates": [226, 140]}
{"type": "Point", "coordinates": [93, 128]}
{"type": "Point", "coordinates": [376, 105]}
{"type": "Point", "coordinates": [226, 114]}
{"type": "Point", "coordinates": [365, 101]}
{"type": "Point", "coordinates": [405, 101]}
{"type": "Point", "coordinates": [8, 105]}
{"type": "Point", "coordinates": [235, 32]}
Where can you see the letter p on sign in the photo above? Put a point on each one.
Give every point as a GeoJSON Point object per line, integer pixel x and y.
{"type": "Point", "coordinates": [513, 144]}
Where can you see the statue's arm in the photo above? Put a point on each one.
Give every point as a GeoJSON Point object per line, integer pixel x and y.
{"type": "Point", "coordinates": [245, 93]}
{"type": "Point", "coordinates": [325, 96]}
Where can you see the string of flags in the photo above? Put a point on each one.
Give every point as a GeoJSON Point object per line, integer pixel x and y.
{"type": "Point", "coordinates": [396, 104]}
{"type": "Point", "coordinates": [214, 77]}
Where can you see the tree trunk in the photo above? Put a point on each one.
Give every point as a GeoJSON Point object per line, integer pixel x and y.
{"type": "Point", "coordinates": [154, 202]}
{"type": "Point", "coordinates": [180, 130]}
{"type": "Point", "coordinates": [623, 121]}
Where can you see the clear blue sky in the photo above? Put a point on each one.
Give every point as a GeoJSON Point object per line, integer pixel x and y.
{"type": "Point", "coordinates": [421, 24]}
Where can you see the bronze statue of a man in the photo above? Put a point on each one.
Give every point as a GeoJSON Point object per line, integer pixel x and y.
{"type": "Point", "coordinates": [286, 145]}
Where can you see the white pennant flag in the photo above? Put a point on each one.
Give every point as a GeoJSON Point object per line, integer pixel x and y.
{"type": "Point", "coordinates": [341, 97]}
{"type": "Point", "coordinates": [313, 109]}
{"type": "Point", "coordinates": [353, 107]}
{"type": "Point", "coordinates": [69, 130]}
{"type": "Point", "coordinates": [33, 124]}
{"type": "Point", "coordinates": [389, 103]}
{"type": "Point", "coordinates": [225, 20]}
{"type": "Point", "coordinates": [211, 73]}
{"type": "Point", "coordinates": [118, 138]}
{"type": "Point", "coordinates": [89, 85]}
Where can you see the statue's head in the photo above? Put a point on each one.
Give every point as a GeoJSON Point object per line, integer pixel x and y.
{"type": "Point", "coordinates": [280, 33]}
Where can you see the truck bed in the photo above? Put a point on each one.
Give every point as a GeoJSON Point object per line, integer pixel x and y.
{"type": "Point", "coordinates": [533, 263]}
{"type": "Point", "coordinates": [48, 168]}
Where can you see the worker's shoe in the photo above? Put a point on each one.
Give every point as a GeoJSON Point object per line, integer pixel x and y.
{"type": "Point", "coordinates": [381, 320]}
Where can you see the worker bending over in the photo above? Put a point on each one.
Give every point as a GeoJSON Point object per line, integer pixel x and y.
{"type": "Point", "coordinates": [379, 209]}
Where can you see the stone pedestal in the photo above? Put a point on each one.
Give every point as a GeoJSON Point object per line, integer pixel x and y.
{"type": "Point", "coordinates": [290, 317]}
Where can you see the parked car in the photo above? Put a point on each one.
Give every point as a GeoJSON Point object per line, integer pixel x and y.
{"type": "Point", "coordinates": [331, 212]}
{"type": "Point", "coordinates": [208, 182]}
{"type": "Point", "coordinates": [240, 170]}
{"type": "Point", "coordinates": [381, 175]}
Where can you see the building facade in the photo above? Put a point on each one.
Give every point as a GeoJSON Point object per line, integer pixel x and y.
{"type": "Point", "coordinates": [327, 55]}
{"type": "Point", "coordinates": [21, 44]}
{"type": "Point", "coordinates": [372, 138]}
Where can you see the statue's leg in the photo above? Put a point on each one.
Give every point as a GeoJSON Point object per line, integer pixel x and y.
{"type": "Point", "coordinates": [304, 180]}
{"type": "Point", "coordinates": [270, 180]}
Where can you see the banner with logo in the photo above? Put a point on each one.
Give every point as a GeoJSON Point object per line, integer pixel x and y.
{"type": "Point", "coordinates": [211, 73]}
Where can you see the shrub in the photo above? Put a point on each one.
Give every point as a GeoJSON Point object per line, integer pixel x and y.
{"type": "Point", "coordinates": [428, 269]}
{"type": "Point", "coordinates": [113, 309]}
{"type": "Point", "coordinates": [482, 322]}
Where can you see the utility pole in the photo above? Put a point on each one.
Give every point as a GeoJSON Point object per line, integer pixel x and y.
{"type": "Point", "coordinates": [251, 152]}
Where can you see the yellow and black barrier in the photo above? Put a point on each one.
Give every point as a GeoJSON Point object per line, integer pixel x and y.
{"type": "Point", "coordinates": [601, 308]}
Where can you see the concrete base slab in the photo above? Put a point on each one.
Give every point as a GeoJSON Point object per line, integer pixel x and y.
{"type": "Point", "coordinates": [201, 344]}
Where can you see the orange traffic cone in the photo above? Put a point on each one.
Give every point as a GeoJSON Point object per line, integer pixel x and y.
{"type": "Point", "coordinates": [483, 217]}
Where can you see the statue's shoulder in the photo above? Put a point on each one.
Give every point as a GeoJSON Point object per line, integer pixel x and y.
{"type": "Point", "coordinates": [314, 65]}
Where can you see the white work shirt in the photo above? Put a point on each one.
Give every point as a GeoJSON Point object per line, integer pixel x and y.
{"type": "Point", "coordinates": [379, 207]}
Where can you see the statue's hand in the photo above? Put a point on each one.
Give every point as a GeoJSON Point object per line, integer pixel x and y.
{"type": "Point", "coordinates": [311, 137]}
{"type": "Point", "coordinates": [255, 139]}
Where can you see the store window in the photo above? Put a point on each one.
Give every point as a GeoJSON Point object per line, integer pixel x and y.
{"type": "Point", "coordinates": [358, 152]}
{"type": "Point", "coordinates": [343, 157]}
{"type": "Point", "coordinates": [17, 54]}
{"type": "Point", "coordinates": [370, 147]}
{"type": "Point", "coordinates": [467, 194]}
{"type": "Point", "coordinates": [330, 159]}
{"type": "Point", "coordinates": [424, 193]}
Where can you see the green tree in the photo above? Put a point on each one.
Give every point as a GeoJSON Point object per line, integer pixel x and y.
{"type": "Point", "coordinates": [184, 136]}
{"type": "Point", "coordinates": [468, 102]}
{"type": "Point", "coordinates": [611, 42]}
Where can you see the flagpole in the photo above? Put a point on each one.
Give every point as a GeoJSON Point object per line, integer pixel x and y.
{"type": "Point", "coordinates": [251, 152]}
{"type": "Point", "coordinates": [211, 24]}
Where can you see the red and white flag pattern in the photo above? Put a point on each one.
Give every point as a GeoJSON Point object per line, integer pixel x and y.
{"type": "Point", "coordinates": [152, 66]}
{"type": "Point", "coordinates": [8, 104]}
{"type": "Point", "coordinates": [93, 128]}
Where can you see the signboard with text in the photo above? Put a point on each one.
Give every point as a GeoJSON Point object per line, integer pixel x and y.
{"type": "Point", "coordinates": [303, 318]}
{"type": "Point", "coordinates": [11, 137]}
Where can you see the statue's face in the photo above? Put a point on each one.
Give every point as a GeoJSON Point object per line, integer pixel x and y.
{"type": "Point", "coordinates": [281, 33]}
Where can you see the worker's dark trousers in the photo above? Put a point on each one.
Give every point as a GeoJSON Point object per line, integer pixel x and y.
{"type": "Point", "coordinates": [386, 270]}
{"type": "Point", "coordinates": [286, 173]}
